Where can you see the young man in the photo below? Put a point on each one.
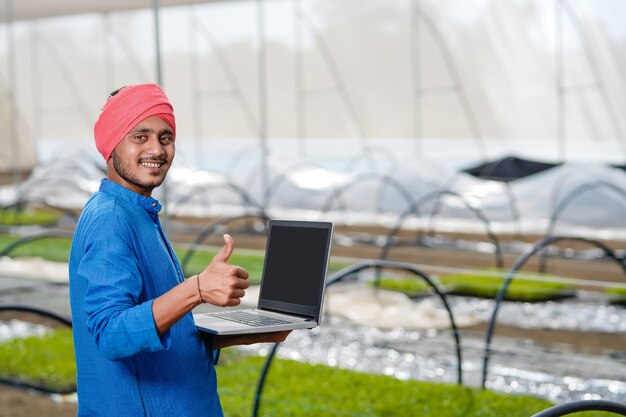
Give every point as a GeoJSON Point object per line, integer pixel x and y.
{"type": "Point", "coordinates": [138, 352]}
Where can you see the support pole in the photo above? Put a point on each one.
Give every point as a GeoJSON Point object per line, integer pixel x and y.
{"type": "Point", "coordinates": [109, 68]}
{"type": "Point", "coordinates": [157, 41]}
{"type": "Point", "coordinates": [159, 81]}
{"type": "Point", "coordinates": [416, 96]}
{"type": "Point", "coordinates": [560, 88]}
{"type": "Point", "coordinates": [196, 102]}
{"type": "Point", "coordinates": [299, 80]}
{"type": "Point", "coordinates": [14, 137]}
{"type": "Point", "coordinates": [261, 55]}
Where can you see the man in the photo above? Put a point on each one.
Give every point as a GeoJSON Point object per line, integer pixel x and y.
{"type": "Point", "coordinates": [138, 352]}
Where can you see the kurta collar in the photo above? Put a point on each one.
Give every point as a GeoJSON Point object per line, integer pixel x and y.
{"type": "Point", "coordinates": [147, 203]}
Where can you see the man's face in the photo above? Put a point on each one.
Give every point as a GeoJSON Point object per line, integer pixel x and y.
{"type": "Point", "coordinates": [141, 160]}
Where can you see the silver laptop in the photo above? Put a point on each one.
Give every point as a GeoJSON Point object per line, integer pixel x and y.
{"type": "Point", "coordinates": [292, 285]}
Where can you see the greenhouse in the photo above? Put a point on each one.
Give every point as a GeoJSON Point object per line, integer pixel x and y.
{"type": "Point", "coordinates": [470, 154]}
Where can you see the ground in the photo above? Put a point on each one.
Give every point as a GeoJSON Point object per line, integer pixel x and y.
{"type": "Point", "coordinates": [20, 403]}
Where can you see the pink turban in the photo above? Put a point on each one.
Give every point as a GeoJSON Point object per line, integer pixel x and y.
{"type": "Point", "coordinates": [125, 110]}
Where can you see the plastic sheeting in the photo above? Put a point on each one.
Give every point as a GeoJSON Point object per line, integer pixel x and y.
{"type": "Point", "coordinates": [533, 78]}
{"type": "Point", "coordinates": [572, 199]}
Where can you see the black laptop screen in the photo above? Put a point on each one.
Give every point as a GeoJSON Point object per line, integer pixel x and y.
{"type": "Point", "coordinates": [295, 266]}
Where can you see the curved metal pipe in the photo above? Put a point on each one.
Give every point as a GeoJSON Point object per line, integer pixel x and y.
{"type": "Point", "coordinates": [246, 200]}
{"type": "Point", "coordinates": [281, 177]}
{"type": "Point", "coordinates": [514, 269]}
{"type": "Point", "coordinates": [479, 214]}
{"type": "Point", "coordinates": [346, 272]}
{"type": "Point", "coordinates": [565, 202]}
{"type": "Point", "coordinates": [211, 228]}
{"type": "Point", "coordinates": [392, 182]}
{"type": "Point", "coordinates": [48, 314]}
{"type": "Point", "coordinates": [39, 311]}
{"type": "Point", "coordinates": [21, 204]}
{"type": "Point", "coordinates": [27, 239]}
{"type": "Point", "coordinates": [259, 389]}
{"type": "Point", "coordinates": [414, 208]}
{"type": "Point", "coordinates": [583, 405]}
{"type": "Point", "coordinates": [575, 193]}
{"type": "Point", "coordinates": [367, 154]}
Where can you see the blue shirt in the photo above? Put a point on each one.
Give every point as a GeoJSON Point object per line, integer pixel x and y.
{"type": "Point", "coordinates": [120, 262]}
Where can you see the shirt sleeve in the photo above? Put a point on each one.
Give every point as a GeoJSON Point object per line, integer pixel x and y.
{"type": "Point", "coordinates": [120, 323]}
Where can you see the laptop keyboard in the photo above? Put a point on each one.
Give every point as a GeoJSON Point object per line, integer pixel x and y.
{"type": "Point", "coordinates": [250, 319]}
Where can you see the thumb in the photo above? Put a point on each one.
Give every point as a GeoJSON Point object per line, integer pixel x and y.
{"type": "Point", "coordinates": [226, 250]}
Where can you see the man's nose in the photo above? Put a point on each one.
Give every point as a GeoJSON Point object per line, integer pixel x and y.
{"type": "Point", "coordinates": [155, 147]}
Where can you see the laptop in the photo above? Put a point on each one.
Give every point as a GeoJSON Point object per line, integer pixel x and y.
{"type": "Point", "coordinates": [292, 284]}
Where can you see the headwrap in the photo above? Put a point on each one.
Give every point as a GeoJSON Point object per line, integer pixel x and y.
{"type": "Point", "coordinates": [125, 110]}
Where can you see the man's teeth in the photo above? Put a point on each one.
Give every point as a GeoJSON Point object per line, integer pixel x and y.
{"type": "Point", "coordinates": [151, 164]}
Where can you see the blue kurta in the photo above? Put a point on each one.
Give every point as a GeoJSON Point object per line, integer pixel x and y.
{"type": "Point", "coordinates": [120, 262]}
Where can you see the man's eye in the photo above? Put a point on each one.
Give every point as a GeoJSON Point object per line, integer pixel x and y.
{"type": "Point", "coordinates": [140, 137]}
{"type": "Point", "coordinates": [167, 139]}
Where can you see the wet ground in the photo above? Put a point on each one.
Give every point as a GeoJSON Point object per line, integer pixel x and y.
{"type": "Point", "coordinates": [20, 403]}
{"type": "Point", "coordinates": [561, 351]}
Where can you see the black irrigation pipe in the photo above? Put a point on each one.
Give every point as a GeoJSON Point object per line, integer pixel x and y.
{"type": "Point", "coordinates": [246, 199]}
{"type": "Point", "coordinates": [583, 405]}
{"type": "Point", "coordinates": [283, 176]}
{"type": "Point", "coordinates": [414, 208]}
{"type": "Point", "coordinates": [345, 273]}
{"type": "Point", "coordinates": [258, 394]}
{"type": "Point", "coordinates": [211, 228]}
{"type": "Point", "coordinates": [27, 239]}
{"type": "Point", "coordinates": [239, 156]}
{"type": "Point", "coordinates": [20, 205]}
{"type": "Point", "coordinates": [512, 201]}
{"type": "Point", "coordinates": [523, 258]}
{"type": "Point", "coordinates": [366, 154]}
{"type": "Point", "coordinates": [479, 215]}
{"type": "Point", "coordinates": [38, 388]}
{"type": "Point", "coordinates": [47, 314]}
{"type": "Point", "coordinates": [514, 207]}
{"type": "Point", "coordinates": [608, 252]}
{"type": "Point", "coordinates": [575, 193]}
{"type": "Point", "coordinates": [38, 311]}
{"type": "Point", "coordinates": [15, 209]}
{"type": "Point", "coordinates": [337, 193]}
{"type": "Point", "coordinates": [565, 202]}
{"type": "Point", "coordinates": [58, 182]}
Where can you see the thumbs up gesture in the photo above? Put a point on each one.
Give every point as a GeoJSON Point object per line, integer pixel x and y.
{"type": "Point", "coordinates": [221, 283]}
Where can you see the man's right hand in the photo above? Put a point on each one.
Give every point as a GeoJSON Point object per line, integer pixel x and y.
{"type": "Point", "coordinates": [221, 283]}
{"type": "Point", "coordinates": [220, 342]}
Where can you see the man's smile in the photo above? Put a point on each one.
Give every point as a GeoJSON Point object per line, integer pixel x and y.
{"type": "Point", "coordinates": [152, 164]}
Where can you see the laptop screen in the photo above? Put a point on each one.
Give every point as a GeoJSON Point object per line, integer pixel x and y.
{"type": "Point", "coordinates": [296, 261]}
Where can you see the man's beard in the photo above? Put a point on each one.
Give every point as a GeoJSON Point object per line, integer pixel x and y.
{"type": "Point", "coordinates": [120, 168]}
